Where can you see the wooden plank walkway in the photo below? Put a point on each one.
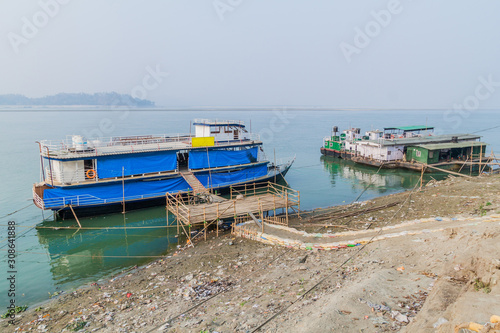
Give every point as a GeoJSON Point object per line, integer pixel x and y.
{"type": "Point", "coordinates": [195, 214]}
{"type": "Point", "coordinates": [195, 184]}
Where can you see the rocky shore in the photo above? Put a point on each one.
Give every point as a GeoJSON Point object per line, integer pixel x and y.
{"type": "Point", "coordinates": [431, 281]}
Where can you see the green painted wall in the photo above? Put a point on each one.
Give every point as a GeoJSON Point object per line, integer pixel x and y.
{"type": "Point", "coordinates": [422, 155]}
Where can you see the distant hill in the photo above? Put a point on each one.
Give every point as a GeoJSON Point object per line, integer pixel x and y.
{"type": "Point", "coordinates": [108, 99]}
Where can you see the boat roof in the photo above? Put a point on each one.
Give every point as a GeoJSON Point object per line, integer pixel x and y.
{"type": "Point", "coordinates": [409, 128]}
{"type": "Point", "coordinates": [212, 123]}
{"type": "Point", "coordinates": [450, 145]}
{"type": "Point", "coordinates": [423, 140]}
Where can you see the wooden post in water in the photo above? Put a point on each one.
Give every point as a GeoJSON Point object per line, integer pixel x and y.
{"type": "Point", "coordinates": [123, 189]}
{"type": "Point", "coordinates": [76, 217]}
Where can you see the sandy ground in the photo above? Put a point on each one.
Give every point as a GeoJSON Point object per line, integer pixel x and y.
{"type": "Point", "coordinates": [427, 282]}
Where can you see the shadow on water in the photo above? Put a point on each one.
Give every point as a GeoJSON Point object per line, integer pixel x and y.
{"type": "Point", "coordinates": [383, 181]}
{"type": "Point", "coordinates": [120, 241]}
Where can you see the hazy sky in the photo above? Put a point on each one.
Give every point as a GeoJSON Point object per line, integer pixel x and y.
{"type": "Point", "coordinates": [356, 54]}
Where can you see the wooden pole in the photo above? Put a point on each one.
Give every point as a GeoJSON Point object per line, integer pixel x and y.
{"type": "Point", "coordinates": [262, 218]}
{"type": "Point", "coordinates": [298, 208]}
{"type": "Point", "coordinates": [286, 205]}
{"type": "Point", "coordinates": [480, 158]}
{"type": "Point", "coordinates": [123, 190]}
{"type": "Point", "coordinates": [471, 159]}
{"type": "Point", "coordinates": [76, 217]}
{"type": "Point", "coordinates": [275, 169]}
{"type": "Point", "coordinates": [274, 204]}
{"type": "Point", "coordinates": [448, 171]}
{"type": "Point", "coordinates": [422, 178]}
{"type": "Point", "coordinates": [205, 223]}
{"type": "Point", "coordinates": [217, 220]}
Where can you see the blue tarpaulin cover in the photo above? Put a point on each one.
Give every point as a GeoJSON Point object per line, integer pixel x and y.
{"type": "Point", "coordinates": [104, 193]}
{"type": "Point", "coordinates": [136, 164]}
{"type": "Point", "coordinates": [138, 189]}
{"type": "Point", "coordinates": [201, 159]}
{"type": "Point", "coordinates": [219, 179]}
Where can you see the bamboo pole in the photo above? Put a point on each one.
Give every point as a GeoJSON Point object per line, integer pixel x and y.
{"type": "Point", "coordinates": [76, 217]}
{"type": "Point", "coordinates": [217, 219]}
{"type": "Point", "coordinates": [448, 171]}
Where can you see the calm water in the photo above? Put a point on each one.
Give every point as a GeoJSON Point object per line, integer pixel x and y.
{"type": "Point", "coordinates": [52, 260]}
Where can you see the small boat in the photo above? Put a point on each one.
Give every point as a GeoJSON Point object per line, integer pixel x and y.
{"type": "Point", "coordinates": [87, 177]}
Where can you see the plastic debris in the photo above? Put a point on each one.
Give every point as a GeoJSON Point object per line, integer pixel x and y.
{"type": "Point", "coordinates": [439, 322]}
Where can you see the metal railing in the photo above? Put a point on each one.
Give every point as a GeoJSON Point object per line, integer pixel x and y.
{"type": "Point", "coordinates": [218, 122]}
{"type": "Point", "coordinates": [127, 144]}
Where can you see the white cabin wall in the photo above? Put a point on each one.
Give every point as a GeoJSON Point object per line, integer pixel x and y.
{"type": "Point", "coordinates": [73, 171]}
{"type": "Point", "coordinates": [201, 131]}
{"type": "Point", "coordinates": [206, 131]}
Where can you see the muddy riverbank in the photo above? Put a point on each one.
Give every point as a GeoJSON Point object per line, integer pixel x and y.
{"type": "Point", "coordinates": [414, 283]}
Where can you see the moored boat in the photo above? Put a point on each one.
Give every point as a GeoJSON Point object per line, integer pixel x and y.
{"type": "Point", "coordinates": [99, 176]}
{"type": "Point", "coordinates": [409, 147]}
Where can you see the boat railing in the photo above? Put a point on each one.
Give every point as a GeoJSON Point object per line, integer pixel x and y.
{"type": "Point", "coordinates": [68, 145]}
{"type": "Point", "coordinates": [218, 122]}
{"type": "Point", "coordinates": [126, 144]}
{"type": "Point", "coordinates": [86, 199]}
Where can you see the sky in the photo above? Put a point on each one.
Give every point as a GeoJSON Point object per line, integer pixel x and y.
{"type": "Point", "coordinates": [340, 54]}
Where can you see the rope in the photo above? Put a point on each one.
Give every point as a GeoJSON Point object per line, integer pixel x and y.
{"type": "Point", "coordinates": [16, 211]}
{"type": "Point", "coordinates": [84, 255]}
{"type": "Point", "coordinates": [370, 184]}
{"type": "Point", "coordinates": [338, 268]}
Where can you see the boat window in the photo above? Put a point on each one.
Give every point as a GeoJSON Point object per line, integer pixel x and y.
{"type": "Point", "coordinates": [215, 129]}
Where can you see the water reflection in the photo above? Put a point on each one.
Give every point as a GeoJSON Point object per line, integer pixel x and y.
{"type": "Point", "coordinates": [122, 240]}
{"type": "Point", "coordinates": [383, 181]}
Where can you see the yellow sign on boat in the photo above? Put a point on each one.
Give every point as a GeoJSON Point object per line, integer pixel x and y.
{"type": "Point", "coordinates": [203, 141]}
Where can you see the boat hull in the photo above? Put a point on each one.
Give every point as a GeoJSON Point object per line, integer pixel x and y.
{"type": "Point", "coordinates": [275, 175]}
{"type": "Point", "coordinates": [337, 153]}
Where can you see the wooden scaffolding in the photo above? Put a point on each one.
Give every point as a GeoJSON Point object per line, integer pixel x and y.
{"type": "Point", "coordinates": [256, 200]}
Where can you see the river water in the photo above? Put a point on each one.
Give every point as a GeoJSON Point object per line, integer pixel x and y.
{"type": "Point", "coordinates": [49, 261]}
